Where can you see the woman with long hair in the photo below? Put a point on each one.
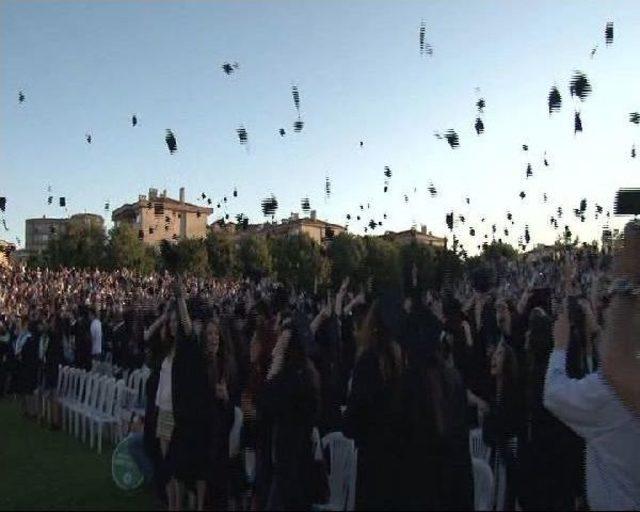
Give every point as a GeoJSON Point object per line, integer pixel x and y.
{"type": "Point", "coordinates": [221, 382]}
{"type": "Point", "coordinates": [289, 402]}
{"type": "Point", "coordinates": [543, 462]}
{"type": "Point", "coordinates": [372, 416]}
{"type": "Point", "coordinates": [436, 467]}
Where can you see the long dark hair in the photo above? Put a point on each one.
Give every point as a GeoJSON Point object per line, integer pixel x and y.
{"type": "Point", "coordinates": [375, 335]}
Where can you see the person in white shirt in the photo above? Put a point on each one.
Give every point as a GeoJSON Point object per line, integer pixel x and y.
{"type": "Point", "coordinates": [96, 334]}
{"type": "Point", "coordinates": [595, 411]}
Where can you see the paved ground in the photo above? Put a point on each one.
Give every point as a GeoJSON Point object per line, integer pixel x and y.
{"type": "Point", "coordinates": [40, 469]}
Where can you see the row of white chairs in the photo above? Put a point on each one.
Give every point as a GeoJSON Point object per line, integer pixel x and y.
{"type": "Point", "coordinates": [90, 403]}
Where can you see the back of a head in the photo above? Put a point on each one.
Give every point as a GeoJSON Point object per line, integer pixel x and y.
{"type": "Point", "coordinates": [540, 336]}
{"type": "Point", "coordinates": [482, 279]}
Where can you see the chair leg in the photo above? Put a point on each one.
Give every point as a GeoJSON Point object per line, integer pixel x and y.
{"type": "Point", "coordinates": [99, 438]}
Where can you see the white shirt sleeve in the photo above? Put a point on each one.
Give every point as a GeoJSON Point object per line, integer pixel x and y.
{"type": "Point", "coordinates": [575, 402]}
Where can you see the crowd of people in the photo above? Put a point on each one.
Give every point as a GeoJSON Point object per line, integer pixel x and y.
{"type": "Point", "coordinates": [519, 349]}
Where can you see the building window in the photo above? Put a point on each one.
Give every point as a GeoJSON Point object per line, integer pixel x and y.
{"type": "Point", "coordinates": [158, 209]}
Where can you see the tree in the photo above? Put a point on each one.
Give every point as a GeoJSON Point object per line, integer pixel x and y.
{"type": "Point", "coordinates": [346, 253]}
{"type": "Point", "coordinates": [222, 254]}
{"type": "Point", "coordinates": [422, 257]}
{"type": "Point", "coordinates": [297, 261]}
{"type": "Point", "coordinates": [126, 250]}
{"type": "Point", "coordinates": [188, 255]}
{"type": "Point", "coordinates": [496, 250]}
{"type": "Point", "coordinates": [254, 259]}
{"type": "Point", "coordinates": [81, 245]}
{"type": "Point", "coordinates": [382, 264]}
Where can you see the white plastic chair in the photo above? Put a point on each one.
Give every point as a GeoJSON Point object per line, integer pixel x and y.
{"type": "Point", "coordinates": [87, 400]}
{"type": "Point", "coordinates": [343, 460]}
{"type": "Point", "coordinates": [67, 390]}
{"type": "Point", "coordinates": [81, 388]}
{"type": "Point", "coordinates": [234, 434]}
{"type": "Point", "coordinates": [105, 413]}
{"type": "Point", "coordinates": [482, 485]}
{"type": "Point", "coordinates": [477, 446]}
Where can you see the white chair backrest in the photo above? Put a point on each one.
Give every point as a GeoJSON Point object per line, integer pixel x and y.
{"type": "Point", "coordinates": [63, 379]}
{"type": "Point", "coordinates": [81, 385]}
{"type": "Point", "coordinates": [107, 405]}
{"type": "Point", "coordinates": [92, 388]}
{"type": "Point", "coordinates": [234, 434]}
{"type": "Point", "coordinates": [477, 446]}
{"type": "Point", "coordinates": [482, 485]}
{"type": "Point", "coordinates": [342, 468]}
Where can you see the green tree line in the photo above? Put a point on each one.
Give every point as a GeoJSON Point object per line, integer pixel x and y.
{"type": "Point", "coordinates": [373, 262]}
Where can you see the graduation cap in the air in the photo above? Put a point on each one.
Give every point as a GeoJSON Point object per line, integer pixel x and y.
{"type": "Point", "coordinates": [298, 125]}
{"type": "Point", "coordinates": [226, 216]}
{"type": "Point", "coordinates": [608, 33]}
{"type": "Point", "coordinates": [282, 132]}
{"type": "Point", "coordinates": [358, 217]}
{"type": "Point", "coordinates": [3, 204]}
{"type": "Point", "coordinates": [482, 219]}
{"type": "Point", "coordinates": [554, 100]}
{"type": "Point", "coordinates": [480, 104]}
{"type": "Point", "coordinates": [452, 138]}
{"type": "Point", "coordinates": [634, 117]}
{"type": "Point", "coordinates": [134, 120]}
{"type": "Point", "coordinates": [327, 186]}
{"type": "Point", "coordinates": [493, 228]}
{"type": "Point", "coordinates": [306, 205]}
{"type": "Point", "coordinates": [583, 205]}
{"type": "Point", "coordinates": [432, 190]}
{"type": "Point", "coordinates": [235, 192]}
{"type": "Point", "coordinates": [509, 216]}
{"type": "Point", "coordinates": [209, 201]}
{"type": "Point", "coordinates": [468, 200]}
{"type": "Point", "coordinates": [384, 215]}
{"type": "Point", "coordinates": [203, 195]}
{"type": "Point", "coordinates": [224, 199]}
{"type": "Point", "coordinates": [406, 198]}
{"type": "Point", "coordinates": [50, 200]}
{"type": "Point", "coordinates": [63, 202]}
{"type": "Point", "coordinates": [529, 171]}
{"type": "Point", "coordinates": [633, 151]}
{"type": "Point", "coordinates": [522, 195]}
{"type": "Point", "coordinates": [449, 221]}
{"type": "Point", "coordinates": [218, 205]}
{"type": "Point", "coordinates": [579, 85]}
{"type": "Point", "coordinates": [527, 238]}
{"type": "Point", "coordinates": [472, 232]}
{"type": "Point", "coordinates": [361, 144]}
{"type": "Point", "coordinates": [229, 68]}
{"type": "Point", "coordinates": [348, 216]}
{"type": "Point", "coordinates": [577, 123]}
{"type": "Point", "coordinates": [88, 138]}
{"type": "Point", "coordinates": [506, 232]}
{"type": "Point", "coordinates": [545, 161]}
{"type": "Point", "coordinates": [422, 36]}
{"type": "Point", "coordinates": [479, 126]}
{"type": "Point", "coordinates": [386, 187]}
{"type": "Point", "coordinates": [544, 197]}
{"type": "Point", "coordinates": [525, 147]}
{"type": "Point", "coordinates": [387, 171]}
{"type": "Point", "coordinates": [598, 208]}
{"type": "Point", "coordinates": [296, 96]}
{"type": "Point", "coordinates": [242, 135]}
{"type": "Point", "coordinates": [559, 210]}
{"type": "Point", "coordinates": [461, 218]}
{"type": "Point", "coordinates": [20, 96]}
{"type": "Point", "coordinates": [106, 206]}
{"type": "Point", "coordinates": [170, 139]}
{"type": "Point", "coordinates": [269, 206]}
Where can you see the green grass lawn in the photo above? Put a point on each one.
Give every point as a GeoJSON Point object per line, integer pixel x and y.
{"type": "Point", "coordinates": [40, 469]}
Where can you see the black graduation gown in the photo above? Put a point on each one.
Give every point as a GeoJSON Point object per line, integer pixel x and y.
{"type": "Point", "coordinates": [188, 449]}
{"type": "Point", "coordinates": [372, 420]}
{"type": "Point", "coordinates": [28, 365]}
{"type": "Point", "coordinates": [436, 469]}
{"type": "Point", "coordinates": [289, 403]}
{"type": "Point", "coordinates": [54, 356]}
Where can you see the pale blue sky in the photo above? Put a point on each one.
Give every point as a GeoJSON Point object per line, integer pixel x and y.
{"type": "Point", "coordinates": [87, 66]}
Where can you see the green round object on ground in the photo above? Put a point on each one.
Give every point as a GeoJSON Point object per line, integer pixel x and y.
{"type": "Point", "coordinates": [124, 470]}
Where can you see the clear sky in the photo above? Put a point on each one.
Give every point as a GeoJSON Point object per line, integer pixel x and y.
{"type": "Point", "coordinates": [88, 66]}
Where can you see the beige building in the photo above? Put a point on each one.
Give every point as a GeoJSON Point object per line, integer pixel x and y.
{"type": "Point", "coordinates": [158, 217]}
{"type": "Point", "coordinates": [422, 237]}
{"type": "Point", "coordinates": [38, 232]}
{"type": "Point", "coordinates": [318, 230]}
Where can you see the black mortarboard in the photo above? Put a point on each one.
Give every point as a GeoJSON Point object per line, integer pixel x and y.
{"type": "Point", "coordinates": [282, 132]}
{"type": "Point", "coordinates": [580, 86]}
{"type": "Point", "coordinates": [554, 100]}
{"type": "Point", "coordinates": [634, 117]}
{"type": "Point", "coordinates": [608, 32]}
{"type": "Point", "coordinates": [479, 126]}
{"type": "Point", "coordinates": [525, 147]}
{"type": "Point", "coordinates": [3, 203]}
{"type": "Point", "coordinates": [134, 120]}
{"type": "Point", "coordinates": [50, 199]}
{"type": "Point", "coordinates": [577, 123]}
{"type": "Point", "coordinates": [63, 202]}
{"type": "Point", "coordinates": [172, 144]}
